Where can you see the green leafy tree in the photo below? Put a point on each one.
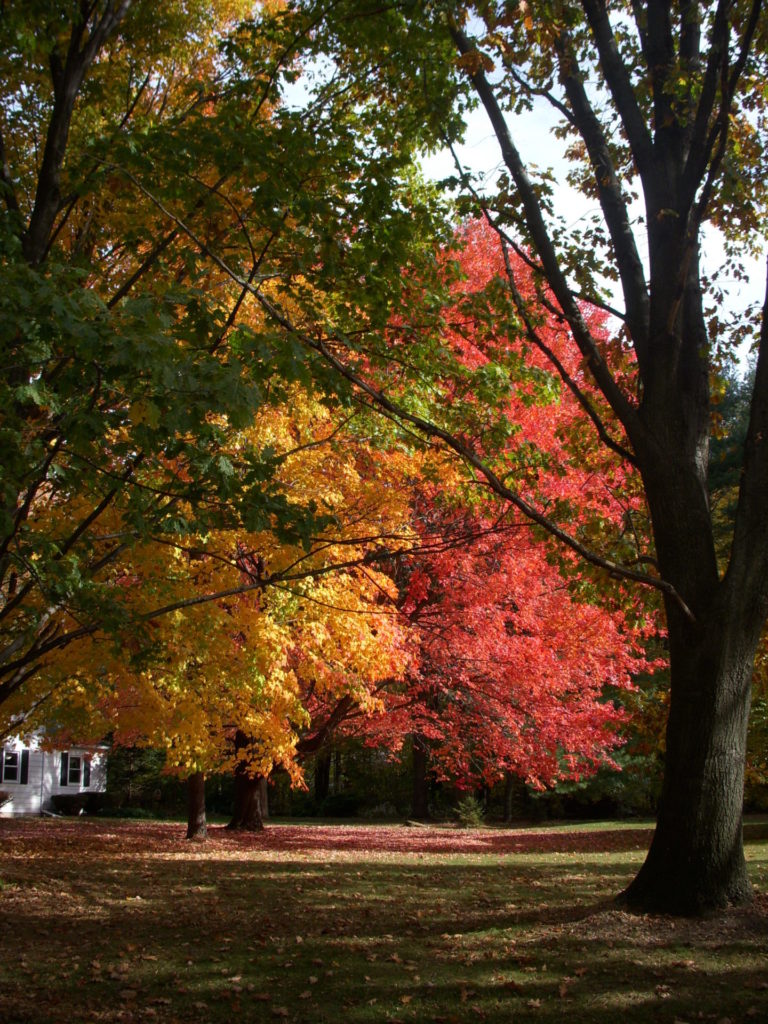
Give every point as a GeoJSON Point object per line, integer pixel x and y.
{"type": "Point", "coordinates": [157, 197]}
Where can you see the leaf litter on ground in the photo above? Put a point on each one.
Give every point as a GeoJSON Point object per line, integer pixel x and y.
{"type": "Point", "coordinates": [383, 922]}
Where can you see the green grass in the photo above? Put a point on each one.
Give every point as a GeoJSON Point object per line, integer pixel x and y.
{"type": "Point", "coordinates": [106, 921]}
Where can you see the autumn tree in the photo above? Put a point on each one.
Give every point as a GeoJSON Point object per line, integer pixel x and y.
{"type": "Point", "coordinates": [663, 101]}
{"type": "Point", "coordinates": [519, 659]}
{"type": "Point", "coordinates": [515, 675]}
{"type": "Point", "coordinates": [139, 146]}
{"type": "Point", "coordinates": [299, 636]}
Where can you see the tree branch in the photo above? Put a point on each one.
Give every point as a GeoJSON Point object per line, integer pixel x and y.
{"type": "Point", "coordinates": [430, 429]}
{"type": "Point", "coordinates": [620, 85]}
{"type": "Point", "coordinates": [67, 80]}
{"type": "Point", "coordinates": [546, 250]}
{"type": "Point", "coordinates": [748, 565]}
{"type": "Point", "coordinates": [612, 202]}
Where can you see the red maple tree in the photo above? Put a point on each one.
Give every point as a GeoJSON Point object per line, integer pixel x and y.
{"type": "Point", "coordinates": [520, 666]}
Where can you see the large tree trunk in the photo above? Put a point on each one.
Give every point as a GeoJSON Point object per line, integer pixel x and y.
{"type": "Point", "coordinates": [696, 860]}
{"type": "Point", "coordinates": [420, 779]}
{"type": "Point", "coordinates": [247, 814]}
{"type": "Point", "coordinates": [197, 825]}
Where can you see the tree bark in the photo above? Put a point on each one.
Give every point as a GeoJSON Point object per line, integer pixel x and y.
{"type": "Point", "coordinates": [509, 793]}
{"type": "Point", "coordinates": [696, 860]}
{"type": "Point", "coordinates": [420, 780]}
{"type": "Point", "coordinates": [264, 797]}
{"type": "Point", "coordinates": [322, 775]}
{"type": "Point", "coordinates": [247, 815]}
{"type": "Point", "coordinates": [197, 825]}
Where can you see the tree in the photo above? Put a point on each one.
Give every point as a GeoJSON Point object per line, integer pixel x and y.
{"type": "Point", "coordinates": [250, 682]}
{"type": "Point", "coordinates": [139, 145]}
{"type": "Point", "coordinates": [518, 664]}
{"type": "Point", "coordinates": [663, 99]}
{"type": "Point", "coordinates": [515, 675]}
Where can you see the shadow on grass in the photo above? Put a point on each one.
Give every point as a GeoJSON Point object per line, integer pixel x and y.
{"type": "Point", "coordinates": [131, 924]}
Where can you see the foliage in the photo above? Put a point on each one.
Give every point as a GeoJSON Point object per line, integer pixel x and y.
{"type": "Point", "coordinates": [266, 659]}
{"type": "Point", "coordinates": [521, 668]}
{"type": "Point", "coordinates": [157, 199]}
{"type": "Point", "coordinates": [469, 812]}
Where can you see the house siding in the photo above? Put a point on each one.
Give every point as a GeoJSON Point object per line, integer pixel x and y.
{"type": "Point", "coordinates": [43, 777]}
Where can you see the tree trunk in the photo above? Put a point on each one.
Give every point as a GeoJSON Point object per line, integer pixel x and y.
{"type": "Point", "coordinates": [322, 775]}
{"type": "Point", "coordinates": [247, 814]}
{"type": "Point", "coordinates": [696, 860]}
{"type": "Point", "coordinates": [420, 780]}
{"type": "Point", "coordinates": [264, 797]}
{"type": "Point", "coordinates": [512, 788]}
{"type": "Point", "coordinates": [197, 826]}
{"type": "Point", "coordinates": [337, 778]}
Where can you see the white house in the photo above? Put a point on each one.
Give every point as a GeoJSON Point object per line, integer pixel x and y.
{"type": "Point", "coordinates": [31, 776]}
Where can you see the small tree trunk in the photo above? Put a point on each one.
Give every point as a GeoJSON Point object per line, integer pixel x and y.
{"type": "Point", "coordinates": [247, 815]}
{"type": "Point", "coordinates": [420, 781]}
{"type": "Point", "coordinates": [509, 796]}
{"type": "Point", "coordinates": [264, 797]}
{"type": "Point", "coordinates": [337, 779]}
{"type": "Point", "coordinates": [197, 826]}
{"type": "Point", "coordinates": [322, 775]}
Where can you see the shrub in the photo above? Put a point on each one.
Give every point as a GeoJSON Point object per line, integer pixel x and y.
{"type": "Point", "coordinates": [69, 803]}
{"type": "Point", "coordinates": [469, 812]}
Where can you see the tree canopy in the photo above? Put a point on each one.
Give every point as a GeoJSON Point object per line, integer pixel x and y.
{"type": "Point", "coordinates": [139, 154]}
{"type": "Point", "coordinates": [661, 101]}
{"type": "Point", "coordinates": [186, 243]}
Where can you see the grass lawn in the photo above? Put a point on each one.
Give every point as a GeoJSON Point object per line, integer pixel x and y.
{"type": "Point", "coordinates": [127, 922]}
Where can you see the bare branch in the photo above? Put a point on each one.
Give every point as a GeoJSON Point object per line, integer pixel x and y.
{"type": "Point", "coordinates": [612, 202]}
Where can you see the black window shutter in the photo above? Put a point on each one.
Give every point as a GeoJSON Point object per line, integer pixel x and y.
{"type": "Point", "coordinates": [64, 769]}
{"type": "Point", "coordinates": [24, 775]}
{"type": "Point", "coordinates": [2, 762]}
{"type": "Point", "coordinates": [86, 772]}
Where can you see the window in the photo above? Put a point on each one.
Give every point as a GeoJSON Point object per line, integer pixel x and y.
{"type": "Point", "coordinates": [11, 766]}
{"type": "Point", "coordinates": [14, 766]}
{"type": "Point", "coordinates": [74, 768]}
